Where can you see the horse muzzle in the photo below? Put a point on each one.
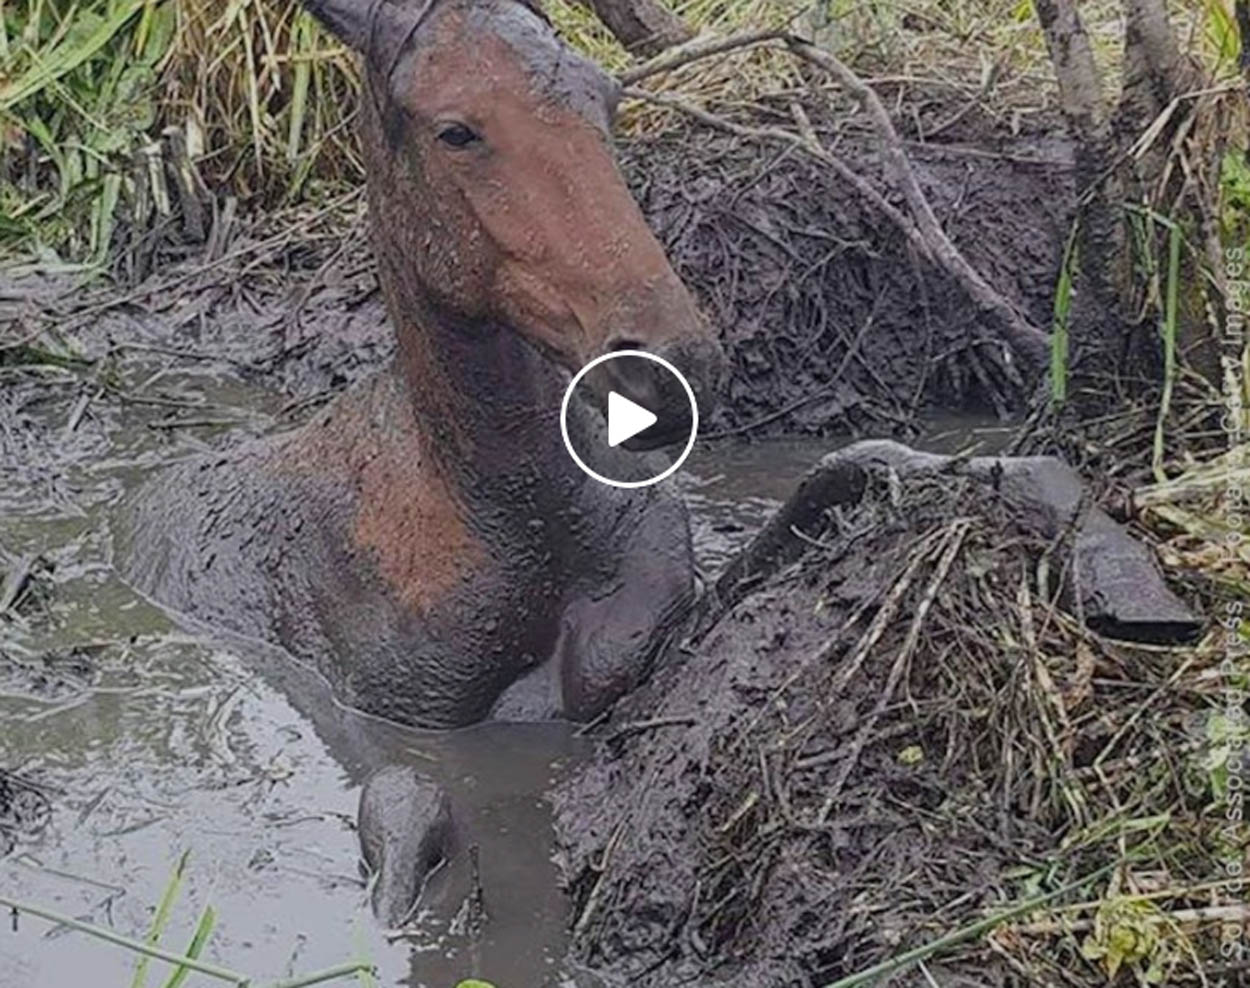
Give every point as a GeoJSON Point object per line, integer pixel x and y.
{"type": "Point", "coordinates": [700, 360]}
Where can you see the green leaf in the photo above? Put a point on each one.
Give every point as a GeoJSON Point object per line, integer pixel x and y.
{"type": "Point", "coordinates": [1059, 328]}
{"type": "Point", "coordinates": [67, 55]}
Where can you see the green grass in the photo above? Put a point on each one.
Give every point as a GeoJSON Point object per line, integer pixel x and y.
{"type": "Point", "coordinates": [360, 969]}
{"type": "Point", "coordinates": [92, 93]}
{"type": "Point", "coordinates": [1059, 349]}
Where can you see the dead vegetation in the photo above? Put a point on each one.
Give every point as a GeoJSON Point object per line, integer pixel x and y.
{"type": "Point", "coordinates": [906, 753]}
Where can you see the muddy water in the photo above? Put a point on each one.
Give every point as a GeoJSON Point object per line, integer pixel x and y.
{"type": "Point", "coordinates": [152, 741]}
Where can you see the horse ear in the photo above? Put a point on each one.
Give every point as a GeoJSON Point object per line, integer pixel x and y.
{"type": "Point", "coordinates": [536, 6]}
{"type": "Point", "coordinates": [347, 20]}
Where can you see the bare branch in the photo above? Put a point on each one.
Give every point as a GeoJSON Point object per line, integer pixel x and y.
{"type": "Point", "coordinates": [1027, 340]}
{"type": "Point", "coordinates": [643, 26]}
{"type": "Point", "coordinates": [1080, 88]}
{"type": "Point", "coordinates": [695, 49]}
{"type": "Point", "coordinates": [1152, 53]}
{"type": "Point", "coordinates": [1030, 343]}
{"type": "Point", "coordinates": [789, 137]}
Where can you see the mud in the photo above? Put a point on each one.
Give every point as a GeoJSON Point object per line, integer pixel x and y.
{"type": "Point", "coordinates": [141, 740]}
{"type": "Point", "coordinates": [148, 741]}
{"type": "Point", "coordinates": [831, 325]}
{"type": "Point", "coordinates": [855, 759]}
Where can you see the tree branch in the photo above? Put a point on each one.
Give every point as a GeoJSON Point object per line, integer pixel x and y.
{"type": "Point", "coordinates": [1029, 342]}
{"type": "Point", "coordinates": [1080, 88]}
{"type": "Point", "coordinates": [695, 49]}
{"type": "Point", "coordinates": [643, 26]}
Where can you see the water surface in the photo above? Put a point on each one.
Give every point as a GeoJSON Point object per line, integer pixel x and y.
{"type": "Point", "coordinates": [153, 742]}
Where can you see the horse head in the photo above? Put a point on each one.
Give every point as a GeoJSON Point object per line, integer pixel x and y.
{"type": "Point", "coordinates": [495, 197]}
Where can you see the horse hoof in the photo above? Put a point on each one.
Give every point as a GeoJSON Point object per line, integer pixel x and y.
{"type": "Point", "coordinates": [406, 832]}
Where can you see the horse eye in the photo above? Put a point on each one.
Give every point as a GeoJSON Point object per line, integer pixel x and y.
{"type": "Point", "coordinates": [457, 135]}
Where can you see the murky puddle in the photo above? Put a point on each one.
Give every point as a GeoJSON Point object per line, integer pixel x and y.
{"type": "Point", "coordinates": [152, 743]}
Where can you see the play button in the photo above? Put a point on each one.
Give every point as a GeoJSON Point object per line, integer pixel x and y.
{"type": "Point", "coordinates": [629, 418]}
{"type": "Point", "coordinates": [626, 419]}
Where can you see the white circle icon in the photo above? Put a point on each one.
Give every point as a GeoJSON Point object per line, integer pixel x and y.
{"type": "Point", "coordinates": [626, 418]}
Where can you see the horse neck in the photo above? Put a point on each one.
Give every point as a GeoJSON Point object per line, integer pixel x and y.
{"type": "Point", "coordinates": [487, 405]}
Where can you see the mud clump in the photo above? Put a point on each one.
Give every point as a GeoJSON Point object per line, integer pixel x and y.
{"type": "Point", "coordinates": [24, 810]}
{"type": "Point", "coordinates": [888, 738]}
{"type": "Point", "coordinates": [831, 322]}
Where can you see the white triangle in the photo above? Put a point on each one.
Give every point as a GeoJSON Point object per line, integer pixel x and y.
{"type": "Point", "coordinates": [626, 419]}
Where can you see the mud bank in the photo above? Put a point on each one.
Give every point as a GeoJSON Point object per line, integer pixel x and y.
{"type": "Point", "coordinates": [891, 734]}
{"type": "Point", "coordinates": [831, 321]}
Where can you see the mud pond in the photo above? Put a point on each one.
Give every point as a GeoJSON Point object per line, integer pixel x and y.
{"type": "Point", "coordinates": [150, 740]}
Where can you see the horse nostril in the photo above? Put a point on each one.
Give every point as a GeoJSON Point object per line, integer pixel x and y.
{"type": "Point", "coordinates": [616, 344]}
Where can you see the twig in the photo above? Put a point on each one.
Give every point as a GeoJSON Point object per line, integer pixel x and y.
{"type": "Point", "coordinates": [1029, 342]}
{"type": "Point", "coordinates": [639, 726]}
{"type": "Point", "coordinates": [907, 958]}
{"type": "Point", "coordinates": [14, 583]}
{"type": "Point", "coordinates": [1239, 913]}
{"type": "Point", "coordinates": [592, 900]}
{"type": "Point", "coordinates": [789, 137]}
{"type": "Point", "coordinates": [991, 78]}
{"type": "Point", "coordinates": [277, 240]}
{"type": "Point", "coordinates": [1141, 709]}
{"type": "Point", "coordinates": [326, 974]}
{"type": "Point", "coordinates": [703, 46]}
{"type": "Point", "coordinates": [186, 353]}
{"type": "Point", "coordinates": [173, 423]}
{"type": "Point", "coordinates": [954, 540]}
{"type": "Point", "coordinates": [1032, 344]}
{"type": "Point", "coordinates": [79, 410]}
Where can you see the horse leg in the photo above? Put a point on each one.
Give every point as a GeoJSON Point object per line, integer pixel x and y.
{"type": "Point", "coordinates": [612, 633]}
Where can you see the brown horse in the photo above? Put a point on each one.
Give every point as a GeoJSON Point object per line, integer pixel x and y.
{"type": "Point", "coordinates": [427, 542]}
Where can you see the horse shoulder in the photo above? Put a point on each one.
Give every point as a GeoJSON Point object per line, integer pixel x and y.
{"type": "Point", "coordinates": [402, 521]}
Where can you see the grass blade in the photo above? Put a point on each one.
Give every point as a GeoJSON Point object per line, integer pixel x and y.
{"type": "Point", "coordinates": [163, 909]}
{"type": "Point", "coordinates": [64, 58]}
{"type": "Point", "coordinates": [1169, 344]}
{"type": "Point", "coordinates": [1059, 329]}
{"type": "Point", "coordinates": [907, 958]}
{"type": "Point", "coordinates": [299, 91]}
{"type": "Point", "coordinates": [365, 975]}
{"type": "Point", "coordinates": [203, 930]}
{"type": "Point", "coordinates": [117, 939]}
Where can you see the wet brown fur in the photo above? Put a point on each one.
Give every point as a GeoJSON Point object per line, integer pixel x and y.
{"type": "Point", "coordinates": [426, 541]}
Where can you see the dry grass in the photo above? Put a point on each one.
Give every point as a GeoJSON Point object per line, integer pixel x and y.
{"type": "Point", "coordinates": [909, 782]}
{"type": "Point", "coordinates": [92, 95]}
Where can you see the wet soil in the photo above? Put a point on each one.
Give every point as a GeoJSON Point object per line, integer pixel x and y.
{"type": "Point", "coordinates": [862, 756]}
{"type": "Point", "coordinates": [146, 739]}
{"type": "Point", "coordinates": [831, 322]}
{"type": "Point", "coordinates": [142, 740]}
